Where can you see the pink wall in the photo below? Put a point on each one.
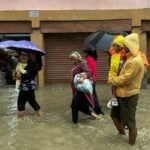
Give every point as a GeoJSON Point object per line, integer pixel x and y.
{"type": "Point", "coordinates": [72, 4]}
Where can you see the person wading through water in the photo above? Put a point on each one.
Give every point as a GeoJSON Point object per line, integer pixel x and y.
{"type": "Point", "coordinates": [128, 84]}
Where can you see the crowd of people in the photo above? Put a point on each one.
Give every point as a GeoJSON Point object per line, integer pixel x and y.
{"type": "Point", "coordinates": [125, 77]}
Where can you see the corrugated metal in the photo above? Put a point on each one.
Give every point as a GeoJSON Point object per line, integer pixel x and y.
{"type": "Point", "coordinates": [58, 66]}
{"type": "Point", "coordinates": [102, 66]}
{"type": "Point", "coordinates": [148, 56]}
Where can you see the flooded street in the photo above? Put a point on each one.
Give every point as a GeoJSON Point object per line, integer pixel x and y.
{"type": "Point", "coordinates": [54, 129]}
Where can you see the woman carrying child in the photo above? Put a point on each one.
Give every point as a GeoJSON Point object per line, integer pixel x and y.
{"type": "Point", "coordinates": [28, 85]}
{"type": "Point", "coordinates": [82, 101]}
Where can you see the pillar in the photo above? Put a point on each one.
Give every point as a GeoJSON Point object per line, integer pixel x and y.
{"type": "Point", "coordinates": [37, 38]}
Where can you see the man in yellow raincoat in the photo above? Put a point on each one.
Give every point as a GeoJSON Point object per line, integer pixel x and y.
{"type": "Point", "coordinates": [128, 84]}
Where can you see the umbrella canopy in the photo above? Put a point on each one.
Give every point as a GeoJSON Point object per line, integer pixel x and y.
{"type": "Point", "coordinates": [102, 39]}
{"type": "Point", "coordinates": [22, 45]}
{"type": "Point", "coordinates": [6, 44]}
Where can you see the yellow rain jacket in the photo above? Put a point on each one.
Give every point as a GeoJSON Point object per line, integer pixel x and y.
{"type": "Point", "coordinates": [114, 64]}
{"type": "Point", "coordinates": [129, 80]}
{"type": "Point", "coordinates": [115, 57]}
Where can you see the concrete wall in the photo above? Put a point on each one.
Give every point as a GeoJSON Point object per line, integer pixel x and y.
{"type": "Point", "coordinates": [72, 4]}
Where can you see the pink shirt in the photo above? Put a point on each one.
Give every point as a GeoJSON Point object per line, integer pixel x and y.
{"type": "Point", "coordinates": [92, 65]}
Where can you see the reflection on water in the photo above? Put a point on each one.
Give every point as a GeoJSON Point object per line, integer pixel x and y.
{"type": "Point", "coordinates": [55, 131]}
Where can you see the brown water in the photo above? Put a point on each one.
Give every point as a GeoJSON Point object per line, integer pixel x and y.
{"type": "Point", "coordinates": [55, 131]}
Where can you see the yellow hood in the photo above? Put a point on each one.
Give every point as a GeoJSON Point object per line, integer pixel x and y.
{"type": "Point", "coordinates": [119, 40]}
{"type": "Point", "coordinates": [132, 42]}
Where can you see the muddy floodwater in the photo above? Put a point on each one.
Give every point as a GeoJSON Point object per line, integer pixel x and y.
{"type": "Point", "coordinates": [54, 129]}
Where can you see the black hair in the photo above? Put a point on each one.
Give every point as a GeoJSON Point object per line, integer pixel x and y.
{"type": "Point", "coordinates": [39, 61]}
{"type": "Point", "coordinates": [91, 52]}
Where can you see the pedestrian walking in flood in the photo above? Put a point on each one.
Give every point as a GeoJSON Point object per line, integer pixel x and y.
{"type": "Point", "coordinates": [128, 84]}
{"type": "Point", "coordinates": [90, 55]}
{"type": "Point", "coordinates": [81, 101]}
{"type": "Point", "coordinates": [28, 85]}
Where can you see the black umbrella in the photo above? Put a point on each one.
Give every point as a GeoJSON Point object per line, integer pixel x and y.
{"type": "Point", "coordinates": [102, 39]}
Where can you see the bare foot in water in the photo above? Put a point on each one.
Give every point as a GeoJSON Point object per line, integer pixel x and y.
{"type": "Point", "coordinates": [21, 114]}
{"type": "Point", "coordinates": [95, 116]}
{"type": "Point", "coordinates": [39, 113]}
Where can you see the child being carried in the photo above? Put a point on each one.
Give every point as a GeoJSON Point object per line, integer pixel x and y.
{"type": "Point", "coordinates": [20, 68]}
{"type": "Point", "coordinates": [82, 83]}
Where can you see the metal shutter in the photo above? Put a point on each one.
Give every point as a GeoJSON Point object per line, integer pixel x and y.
{"type": "Point", "coordinates": [57, 64]}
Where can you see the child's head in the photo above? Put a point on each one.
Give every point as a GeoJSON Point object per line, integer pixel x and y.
{"type": "Point", "coordinates": [23, 57]}
{"type": "Point", "coordinates": [118, 43]}
{"type": "Point", "coordinates": [83, 73]}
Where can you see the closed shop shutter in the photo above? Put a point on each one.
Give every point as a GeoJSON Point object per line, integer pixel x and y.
{"type": "Point", "coordinates": [102, 67]}
{"type": "Point", "coordinates": [148, 56]}
{"type": "Point", "coordinates": [57, 64]}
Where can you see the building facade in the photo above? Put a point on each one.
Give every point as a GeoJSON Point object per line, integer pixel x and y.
{"type": "Point", "coordinates": [58, 32]}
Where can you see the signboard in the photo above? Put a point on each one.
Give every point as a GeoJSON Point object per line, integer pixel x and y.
{"type": "Point", "coordinates": [34, 13]}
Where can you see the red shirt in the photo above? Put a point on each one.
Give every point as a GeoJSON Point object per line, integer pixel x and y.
{"type": "Point", "coordinates": [92, 65]}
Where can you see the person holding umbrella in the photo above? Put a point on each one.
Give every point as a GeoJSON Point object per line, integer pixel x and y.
{"type": "Point", "coordinates": [90, 55]}
{"type": "Point", "coordinates": [28, 84]}
{"type": "Point", "coordinates": [34, 65]}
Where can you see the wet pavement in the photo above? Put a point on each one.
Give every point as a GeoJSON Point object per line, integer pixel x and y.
{"type": "Point", "coordinates": [54, 129]}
